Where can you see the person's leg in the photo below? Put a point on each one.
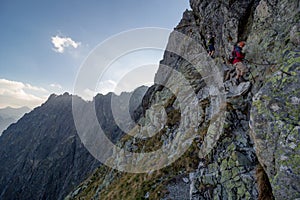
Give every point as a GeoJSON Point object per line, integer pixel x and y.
{"type": "Point", "coordinates": [211, 50]}
{"type": "Point", "coordinates": [244, 70]}
{"type": "Point", "coordinates": [237, 74]}
{"type": "Point", "coordinates": [237, 70]}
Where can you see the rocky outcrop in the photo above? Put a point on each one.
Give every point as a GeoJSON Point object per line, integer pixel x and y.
{"type": "Point", "coordinates": [275, 127]}
{"type": "Point", "coordinates": [230, 21]}
{"type": "Point", "coordinates": [275, 112]}
{"type": "Point", "coordinates": [234, 160]}
{"type": "Point", "coordinates": [42, 157]}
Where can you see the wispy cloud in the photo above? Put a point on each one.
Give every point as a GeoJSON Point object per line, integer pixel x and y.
{"type": "Point", "coordinates": [32, 88]}
{"type": "Point", "coordinates": [61, 43]}
{"type": "Point", "coordinates": [56, 86]}
{"type": "Point", "coordinates": [17, 94]}
{"type": "Point", "coordinates": [103, 87]}
{"type": "Point", "coordinates": [107, 86]}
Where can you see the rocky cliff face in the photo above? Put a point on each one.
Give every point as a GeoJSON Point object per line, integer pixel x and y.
{"type": "Point", "coordinates": [228, 158]}
{"type": "Point", "coordinates": [275, 129]}
{"type": "Point", "coordinates": [42, 156]}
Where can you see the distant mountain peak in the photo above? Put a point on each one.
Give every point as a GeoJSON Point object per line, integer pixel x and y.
{"type": "Point", "coordinates": [42, 155]}
{"type": "Point", "coordinates": [11, 115]}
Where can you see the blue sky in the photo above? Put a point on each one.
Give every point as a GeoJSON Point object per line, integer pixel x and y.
{"type": "Point", "coordinates": [31, 67]}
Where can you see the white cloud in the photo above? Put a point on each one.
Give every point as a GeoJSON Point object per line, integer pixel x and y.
{"type": "Point", "coordinates": [88, 94]}
{"type": "Point", "coordinates": [107, 86]}
{"type": "Point", "coordinates": [60, 43]}
{"type": "Point", "coordinates": [33, 88]}
{"type": "Point", "coordinates": [17, 94]}
{"type": "Point", "coordinates": [56, 86]}
{"type": "Point", "coordinates": [103, 87]}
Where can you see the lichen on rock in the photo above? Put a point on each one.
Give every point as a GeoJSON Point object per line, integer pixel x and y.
{"type": "Point", "coordinates": [275, 122]}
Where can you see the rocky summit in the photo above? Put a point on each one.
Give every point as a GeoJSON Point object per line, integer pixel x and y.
{"type": "Point", "coordinates": [242, 138]}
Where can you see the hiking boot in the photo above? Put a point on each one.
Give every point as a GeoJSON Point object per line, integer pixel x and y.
{"type": "Point", "coordinates": [241, 79]}
{"type": "Point", "coordinates": [237, 82]}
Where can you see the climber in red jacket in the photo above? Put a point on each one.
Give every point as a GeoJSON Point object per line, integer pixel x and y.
{"type": "Point", "coordinates": [240, 67]}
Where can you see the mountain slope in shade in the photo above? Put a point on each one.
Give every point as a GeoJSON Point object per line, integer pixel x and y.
{"type": "Point", "coordinates": [42, 156]}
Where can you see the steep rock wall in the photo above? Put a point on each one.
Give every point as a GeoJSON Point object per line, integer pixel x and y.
{"type": "Point", "coordinates": [228, 167]}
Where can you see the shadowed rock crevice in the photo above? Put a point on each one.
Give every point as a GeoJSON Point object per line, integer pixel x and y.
{"type": "Point", "coordinates": [246, 22]}
{"type": "Point", "coordinates": [264, 186]}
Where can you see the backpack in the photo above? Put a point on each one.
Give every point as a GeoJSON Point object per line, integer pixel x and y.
{"type": "Point", "coordinates": [232, 56]}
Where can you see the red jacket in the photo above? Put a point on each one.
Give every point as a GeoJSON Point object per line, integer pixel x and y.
{"type": "Point", "coordinates": [239, 56]}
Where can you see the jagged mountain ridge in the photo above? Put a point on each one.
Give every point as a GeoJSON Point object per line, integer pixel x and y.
{"type": "Point", "coordinates": [234, 169]}
{"type": "Point", "coordinates": [42, 156]}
